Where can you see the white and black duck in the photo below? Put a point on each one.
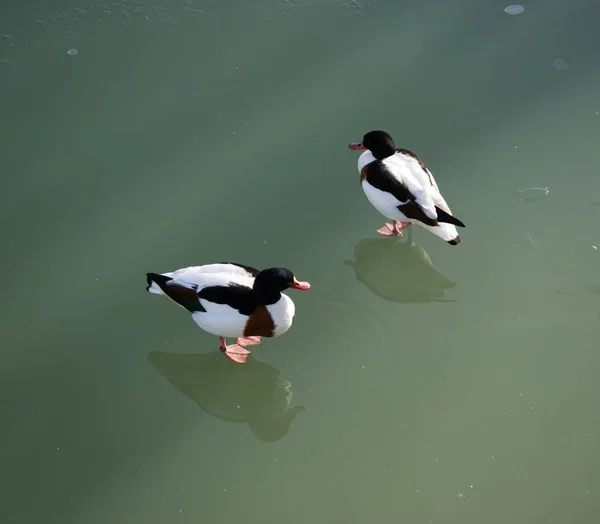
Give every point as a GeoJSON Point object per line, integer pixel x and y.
{"type": "Point", "coordinates": [232, 300]}
{"type": "Point", "coordinates": [401, 188]}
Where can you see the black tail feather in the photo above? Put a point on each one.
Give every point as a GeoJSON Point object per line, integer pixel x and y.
{"type": "Point", "coordinates": [447, 218]}
{"type": "Point", "coordinates": [160, 280]}
{"type": "Point", "coordinates": [183, 294]}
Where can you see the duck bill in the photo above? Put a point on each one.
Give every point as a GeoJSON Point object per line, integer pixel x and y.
{"type": "Point", "coordinates": [356, 146]}
{"type": "Point", "coordinates": [302, 286]}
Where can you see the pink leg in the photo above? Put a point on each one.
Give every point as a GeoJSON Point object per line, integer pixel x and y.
{"type": "Point", "coordinates": [387, 231]}
{"type": "Point", "coordinates": [393, 229]}
{"type": "Point", "coordinates": [234, 352]}
{"type": "Point", "coordinates": [399, 226]}
{"type": "Point", "coordinates": [247, 341]}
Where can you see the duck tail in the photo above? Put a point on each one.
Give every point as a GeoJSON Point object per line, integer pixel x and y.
{"type": "Point", "coordinates": [447, 218]}
{"type": "Point", "coordinates": [444, 231]}
{"type": "Point", "coordinates": [152, 286]}
{"type": "Point", "coordinates": [182, 293]}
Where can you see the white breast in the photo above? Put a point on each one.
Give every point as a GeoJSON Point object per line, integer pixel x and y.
{"type": "Point", "coordinates": [282, 313]}
{"type": "Point", "coordinates": [384, 202]}
{"type": "Point", "coordinates": [364, 159]}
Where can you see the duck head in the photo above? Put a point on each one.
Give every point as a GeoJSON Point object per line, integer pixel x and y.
{"type": "Point", "coordinates": [380, 143]}
{"type": "Point", "coordinates": [269, 284]}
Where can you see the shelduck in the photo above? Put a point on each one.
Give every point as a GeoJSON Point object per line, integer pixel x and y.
{"type": "Point", "coordinates": [232, 300]}
{"type": "Point", "coordinates": [401, 188]}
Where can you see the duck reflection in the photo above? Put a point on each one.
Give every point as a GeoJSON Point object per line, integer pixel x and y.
{"type": "Point", "coordinates": [253, 394]}
{"type": "Point", "coordinates": [399, 270]}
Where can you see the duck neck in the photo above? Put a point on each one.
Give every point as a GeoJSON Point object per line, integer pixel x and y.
{"type": "Point", "coordinates": [383, 151]}
{"type": "Point", "coordinates": [266, 297]}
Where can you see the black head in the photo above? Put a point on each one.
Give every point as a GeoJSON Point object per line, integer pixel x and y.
{"type": "Point", "coordinates": [380, 143]}
{"type": "Point", "coordinates": [269, 284]}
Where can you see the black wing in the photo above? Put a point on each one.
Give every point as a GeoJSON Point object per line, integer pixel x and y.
{"type": "Point", "coordinates": [233, 295]}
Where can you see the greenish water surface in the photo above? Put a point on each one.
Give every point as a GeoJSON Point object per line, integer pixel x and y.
{"type": "Point", "coordinates": [421, 382]}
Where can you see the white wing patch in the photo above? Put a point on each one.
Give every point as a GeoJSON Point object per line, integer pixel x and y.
{"type": "Point", "coordinates": [408, 171]}
{"type": "Point", "coordinates": [212, 275]}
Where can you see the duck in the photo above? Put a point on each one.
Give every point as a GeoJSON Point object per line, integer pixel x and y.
{"type": "Point", "coordinates": [232, 300]}
{"type": "Point", "coordinates": [401, 188]}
